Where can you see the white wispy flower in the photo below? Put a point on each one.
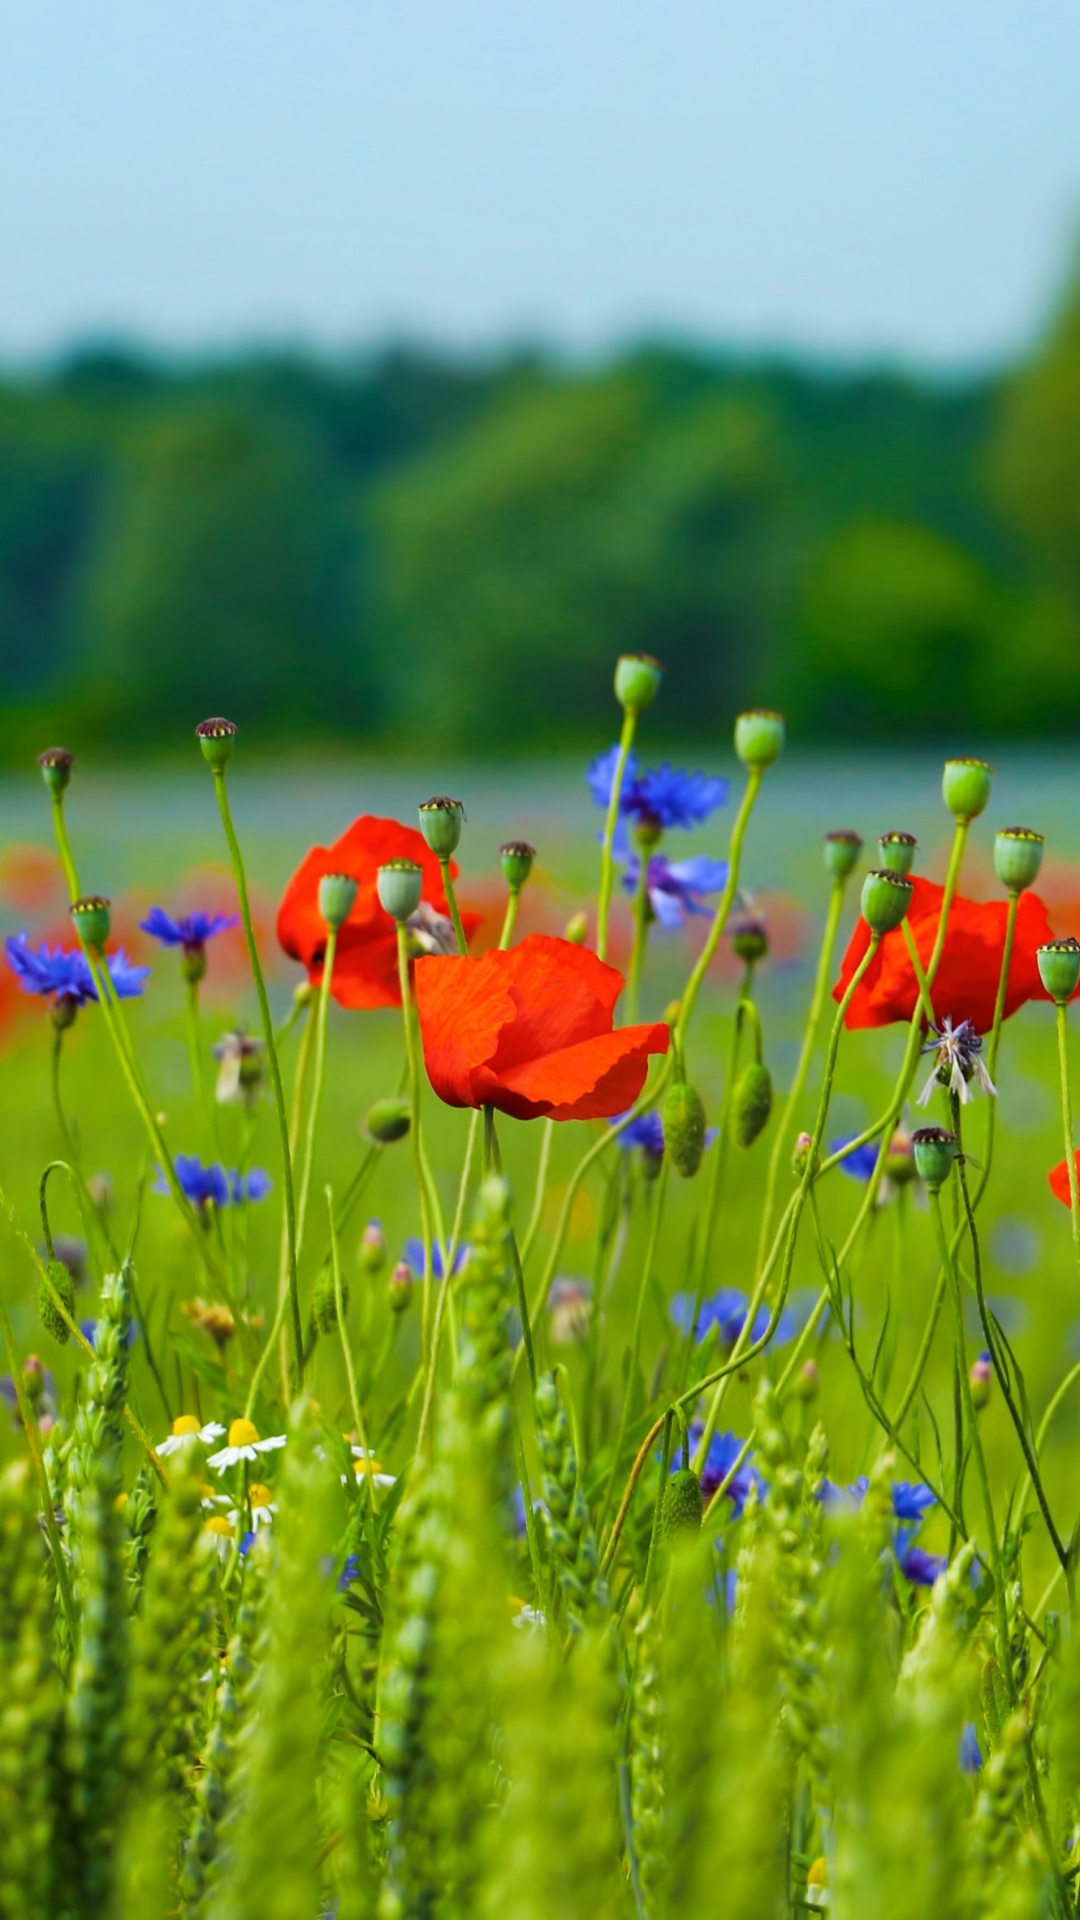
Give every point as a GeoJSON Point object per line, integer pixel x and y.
{"type": "Point", "coordinates": [959, 1065]}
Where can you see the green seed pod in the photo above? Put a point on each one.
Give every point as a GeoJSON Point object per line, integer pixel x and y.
{"type": "Point", "coordinates": [886, 898]}
{"type": "Point", "coordinates": [1059, 967]}
{"type": "Point", "coordinates": [1018, 856]}
{"type": "Point", "coordinates": [388, 1120]}
{"type": "Point", "coordinates": [965, 787]}
{"type": "Point", "coordinates": [56, 764]}
{"type": "Point", "coordinates": [337, 895]}
{"type": "Point", "coordinates": [48, 1313]}
{"type": "Point", "coordinates": [759, 737]}
{"type": "Point", "coordinates": [684, 1128]}
{"type": "Point", "coordinates": [841, 851]}
{"type": "Point", "coordinates": [637, 681]}
{"type": "Point", "coordinates": [683, 1505]}
{"type": "Point", "coordinates": [92, 919]}
{"type": "Point", "coordinates": [751, 1103]}
{"type": "Point", "coordinates": [400, 885]}
{"type": "Point", "coordinates": [935, 1151]}
{"type": "Point", "coordinates": [440, 823]}
{"type": "Point", "coordinates": [516, 858]}
{"type": "Point", "coordinates": [216, 738]}
{"type": "Point", "coordinates": [897, 852]}
{"type": "Point", "coordinates": [750, 941]}
{"type": "Point", "coordinates": [324, 1302]}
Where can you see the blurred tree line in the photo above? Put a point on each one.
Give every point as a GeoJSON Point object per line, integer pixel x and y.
{"type": "Point", "coordinates": [419, 545]}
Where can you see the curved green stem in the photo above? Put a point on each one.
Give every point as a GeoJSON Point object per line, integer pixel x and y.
{"type": "Point", "coordinates": [642, 916]}
{"type": "Point", "coordinates": [607, 865]}
{"type": "Point", "coordinates": [63, 845]}
{"type": "Point", "coordinates": [925, 1002]}
{"type": "Point", "coordinates": [451, 901]}
{"type": "Point", "coordinates": [1061, 1021]}
{"type": "Point", "coordinates": [322, 1016]}
{"type": "Point", "coordinates": [720, 918]}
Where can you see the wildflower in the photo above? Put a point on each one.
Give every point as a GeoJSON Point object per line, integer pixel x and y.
{"type": "Point", "coordinates": [89, 1331]}
{"type": "Point", "coordinates": [959, 1062]}
{"type": "Point", "coordinates": [350, 1572]}
{"type": "Point", "coordinates": [240, 1068]}
{"type": "Point", "coordinates": [724, 1450]}
{"type": "Point", "coordinates": [645, 1131]}
{"type": "Point", "coordinates": [371, 1256]}
{"type": "Point", "coordinates": [191, 932]}
{"type": "Point", "coordinates": [262, 1508]}
{"type": "Point", "coordinates": [365, 966]}
{"type": "Point", "coordinates": [243, 1444]}
{"type": "Point", "coordinates": [222, 1529]}
{"type": "Point", "coordinates": [898, 1169]}
{"type": "Point", "coordinates": [186, 1429]}
{"type": "Point", "coordinates": [659, 799]}
{"type": "Point", "coordinates": [980, 1376]}
{"type": "Point", "coordinates": [971, 1759]}
{"type": "Point", "coordinates": [399, 1287]}
{"type": "Point", "coordinates": [366, 1465]}
{"type": "Point", "coordinates": [920, 1567]}
{"type": "Point", "coordinates": [430, 931]}
{"type": "Point", "coordinates": [62, 974]}
{"type": "Point", "coordinates": [677, 887]}
{"type": "Point", "coordinates": [817, 1884]}
{"type": "Point", "coordinates": [569, 1304]}
{"type": "Point", "coordinates": [249, 1186]}
{"type": "Point", "coordinates": [39, 1389]}
{"type": "Point", "coordinates": [726, 1310]}
{"type": "Point", "coordinates": [413, 1255]}
{"type": "Point", "coordinates": [1059, 1179]}
{"type": "Point", "coordinates": [966, 983]}
{"type": "Point", "coordinates": [523, 1615]}
{"type": "Point", "coordinates": [530, 1031]}
{"type": "Point", "coordinates": [213, 1319]}
{"type": "Point", "coordinates": [212, 1186]}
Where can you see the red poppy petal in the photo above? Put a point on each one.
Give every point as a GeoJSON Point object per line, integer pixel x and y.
{"type": "Point", "coordinates": [463, 1005]}
{"type": "Point", "coordinates": [361, 850]}
{"type": "Point", "coordinates": [1059, 1180]}
{"type": "Point", "coordinates": [365, 970]}
{"type": "Point", "coordinates": [589, 1081]}
{"type": "Point", "coordinates": [563, 995]}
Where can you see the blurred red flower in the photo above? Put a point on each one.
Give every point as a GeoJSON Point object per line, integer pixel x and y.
{"type": "Point", "coordinates": [365, 967]}
{"type": "Point", "coordinates": [530, 1032]}
{"type": "Point", "coordinates": [967, 979]}
{"type": "Point", "coordinates": [1059, 1179]}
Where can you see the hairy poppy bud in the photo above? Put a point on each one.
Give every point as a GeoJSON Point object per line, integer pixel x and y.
{"type": "Point", "coordinates": [61, 1284]}
{"type": "Point", "coordinates": [750, 941]}
{"type": "Point", "coordinates": [842, 850]}
{"type": "Point", "coordinates": [216, 738]}
{"type": "Point", "coordinates": [388, 1120]}
{"type": "Point", "coordinates": [516, 858]}
{"type": "Point", "coordinates": [324, 1302]}
{"type": "Point", "coordinates": [684, 1128]}
{"type": "Point", "coordinates": [637, 681]}
{"type": "Point", "coordinates": [935, 1151]}
{"type": "Point", "coordinates": [399, 1287]}
{"type": "Point", "coordinates": [683, 1505]}
{"type": "Point", "coordinates": [1059, 967]}
{"type": "Point", "coordinates": [337, 895]}
{"type": "Point", "coordinates": [1018, 856]}
{"type": "Point", "coordinates": [576, 930]}
{"type": "Point", "coordinates": [400, 885]}
{"type": "Point", "coordinates": [372, 1254]}
{"type": "Point", "coordinates": [886, 898]}
{"type": "Point", "coordinates": [897, 852]}
{"type": "Point", "coordinates": [92, 920]}
{"type": "Point", "coordinates": [759, 737]}
{"type": "Point", "coordinates": [56, 764]}
{"type": "Point", "coordinates": [980, 1375]}
{"type": "Point", "coordinates": [751, 1103]}
{"type": "Point", "coordinates": [965, 788]}
{"type": "Point", "coordinates": [440, 824]}
{"type": "Point", "coordinates": [806, 1382]}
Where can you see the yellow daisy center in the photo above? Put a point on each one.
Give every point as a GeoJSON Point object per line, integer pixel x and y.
{"type": "Point", "coordinates": [258, 1494]}
{"type": "Point", "coordinates": [185, 1423]}
{"type": "Point", "coordinates": [366, 1466]}
{"type": "Point", "coordinates": [243, 1433]}
{"type": "Point", "coordinates": [818, 1874]}
{"type": "Point", "coordinates": [217, 1523]}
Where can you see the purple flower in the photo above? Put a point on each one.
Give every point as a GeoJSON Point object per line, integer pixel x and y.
{"type": "Point", "coordinates": [191, 930]}
{"type": "Point", "coordinates": [662, 796]}
{"type": "Point", "coordinates": [970, 1751]}
{"type": "Point", "coordinates": [911, 1500]}
{"type": "Point", "coordinates": [920, 1567]}
{"type": "Point", "coordinates": [413, 1254]}
{"type": "Point", "coordinates": [860, 1163]}
{"type": "Point", "coordinates": [724, 1450]}
{"type": "Point", "coordinates": [206, 1185]}
{"type": "Point", "coordinates": [677, 887]}
{"type": "Point", "coordinates": [64, 973]}
{"type": "Point", "coordinates": [249, 1186]}
{"type": "Point", "coordinates": [647, 1132]}
{"type": "Point", "coordinates": [727, 1310]}
{"type": "Point", "coordinates": [349, 1572]}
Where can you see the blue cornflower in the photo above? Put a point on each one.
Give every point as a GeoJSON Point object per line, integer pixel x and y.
{"type": "Point", "coordinates": [859, 1164]}
{"type": "Point", "coordinates": [970, 1751]}
{"type": "Point", "coordinates": [191, 930]}
{"type": "Point", "coordinates": [724, 1450]}
{"type": "Point", "coordinates": [677, 887]}
{"type": "Point", "coordinates": [413, 1255]}
{"type": "Point", "coordinates": [88, 1329]}
{"type": "Point", "coordinates": [661, 796]}
{"type": "Point", "coordinates": [647, 1132]}
{"type": "Point", "coordinates": [249, 1186]}
{"type": "Point", "coordinates": [920, 1567]}
{"type": "Point", "coordinates": [349, 1572]}
{"type": "Point", "coordinates": [206, 1185]}
{"type": "Point", "coordinates": [64, 973]}
{"type": "Point", "coordinates": [911, 1500]}
{"type": "Point", "coordinates": [726, 1310]}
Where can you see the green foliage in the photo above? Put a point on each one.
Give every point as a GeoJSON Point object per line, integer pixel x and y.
{"type": "Point", "coordinates": [33, 1854]}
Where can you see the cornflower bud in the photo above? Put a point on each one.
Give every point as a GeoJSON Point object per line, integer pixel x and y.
{"type": "Point", "coordinates": [56, 764]}
{"type": "Point", "coordinates": [980, 1375]}
{"type": "Point", "coordinates": [387, 1121]}
{"type": "Point", "coordinates": [92, 919]}
{"type": "Point", "coordinates": [372, 1254]}
{"type": "Point", "coordinates": [576, 930]}
{"type": "Point", "coordinates": [400, 884]}
{"type": "Point", "coordinates": [337, 895]}
{"type": "Point", "coordinates": [516, 859]}
{"type": "Point", "coordinates": [63, 1012]}
{"type": "Point", "coordinates": [897, 852]}
{"type": "Point", "coordinates": [440, 823]}
{"type": "Point", "coordinates": [759, 738]}
{"type": "Point", "coordinates": [801, 1153]}
{"type": "Point", "coordinates": [751, 1102]}
{"type": "Point", "coordinates": [886, 898]}
{"type": "Point", "coordinates": [684, 1128]}
{"type": "Point", "coordinates": [399, 1287]}
{"type": "Point", "coordinates": [935, 1151]}
{"type": "Point", "coordinates": [841, 851]}
{"type": "Point", "coordinates": [1059, 968]}
{"type": "Point", "coordinates": [216, 738]}
{"type": "Point", "coordinates": [807, 1382]}
{"type": "Point", "coordinates": [899, 1164]}
{"type": "Point", "coordinates": [637, 681]}
{"type": "Point", "coordinates": [1018, 853]}
{"type": "Point", "coordinates": [750, 941]}
{"type": "Point", "coordinates": [965, 788]}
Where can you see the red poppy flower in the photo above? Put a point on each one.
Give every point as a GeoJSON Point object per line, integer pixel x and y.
{"type": "Point", "coordinates": [966, 984]}
{"type": "Point", "coordinates": [365, 966]}
{"type": "Point", "coordinates": [1059, 1179]}
{"type": "Point", "coordinates": [530, 1032]}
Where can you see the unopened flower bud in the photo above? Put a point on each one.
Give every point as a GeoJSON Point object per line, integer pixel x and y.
{"type": "Point", "coordinates": [684, 1128]}
{"type": "Point", "coordinates": [216, 738]}
{"type": "Point", "coordinates": [637, 681]}
{"type": "Point", "coordinates": [807, 1382]}
{"type": "Point", "coordinates": [935, 1151]}
{"type": "Point", "coordinates": [1059, 967]}
{"type": "Point", "coordinates": [886, 898]}
{"type": "Point", "coordinates": [92, 919]}
{"type": "Point", "coordinates": [1018, 853]}
{"type": "Point", "coordinates": [440, 823]}
{"type": "Point", "coordinates": [64, 1011]}
{"type": "Point", "coordinates": [387, 1121]}
{"type": "Point", "coordinates": [56, 764]}
{"type": "Point", "coordinates": [800, 1154]}
{"type": "Point", "coordinates": [337, 896]}
{"type": "Point", "coordinates": [751, 1103]}
{"type": "Point", "coordinates": [980, 1376]}
{"type": "Point", "coordinates": [899, 1164]}
{"type": "Point", "coordinates": [400, 885]}
{"type": "Point", "coordinates": [399, 1287]}
{"type": "Point", "coordinates": [897, 852]}
{"type": "Point", "coordinates": [750, 941]}
{"type": "Point", "coordinates": [759, 737]}
{"type": "Point", "coordinates": [842, 850]}
{"type": "Point", "coordinates": [965, 788]}
{"type": "Point", "coordinates": [670, 1015]}
{"type": "Point", "coordinates": [516, 858]}
{"type": "Point", "coordinates": [372, 1253]}
{"type": "Point", "coordinates": [683, 1505]}
{"type": "Point", "coordinates": [576, 930]}
{"type": "Point", "coordinates": [56, 1285]}
{"type": "Point", "coordinates": [100, 1190]}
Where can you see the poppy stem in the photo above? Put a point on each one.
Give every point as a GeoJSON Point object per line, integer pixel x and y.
{"type": "Point", "coordinates": [718, 1169]}
{"type": "Point", "coordinates": [727, 899]}
{"type": "Point", "coordinates": [343, 1336]}
{"type": "Point", "coordinates": [492, 1163]}
{"type": "Point", "coordinates": [445, 1301]}
{"type": "Point", "coordinates": [642, 917]}
{"type": "Point", "coordinates": [63, 846]}
{"type": "Point", "coordinates": [451, 900]}
{"type": "Point", "coordinates": [1061, 1021]}
{"type": "Point", "coordinates": [513, 901]}
{"type": "Point", "coordinates": [658, 1199]}
{"type": "Point", "coordinates": [547, 1131]}
{"type": "Point", "coordinates": [414, 1131]}
{"type": "Point", "coordinates": [607, 864]}
{"type": "Point", "coordinates": [296, 1114]}
{"type": "Point", "coordinates": [322, 1016]}
{"type": "Point", "coordinates": [198, 1075]}
{"type": "Point", "coordinates": [925, 1001]}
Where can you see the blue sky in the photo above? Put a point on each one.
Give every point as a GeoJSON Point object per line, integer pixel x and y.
{"type": "Point", "coordinates": [895, 178]}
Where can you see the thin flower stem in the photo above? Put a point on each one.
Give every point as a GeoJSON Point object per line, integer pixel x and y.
{"type": "Point", "coordinates": [92, 1216]}
{"type": "Point", "coordinates": [547, 1131]}
{"type": "Point", "coordinates": [451, 901]}
{"type": "Point", "coordinates": [240, 877]}
{"type": "Point", "coordinates": [1003, 985]}
{"type": "Point", "coordinates": [445, 1299]}
{"type": "Point", "coordinates": [1061, 1021]}
{"type": "Point", "coordinates": [658, 1199]}
{"type": "Point", "coordinates": [414, 1129]}
{"type": "Point", "coordinates": [530, 1517]}
{"type": "Point", "coordinates": [718, 1169]}
{"type": "Point", "coordinates": [493, 1164]}
{"type": "Point", "coordinates": [48, 1510]}
{"type": "Point", "coordinates": [63, 845]}
{"type": "Point", "coordinates": [925, 1002]}
{"type": "Point", "coordinates": [296, 1116]}
{"type": "Point", "coordinates": [642, 918]}
{"type": "Point", "coordinates": [343, 1335]}
{"type": "Point", "coordinates": [607, 864]}
{"type": "Point", "coordinates": [322, 1017]}
{"type": "Point", "coordinates": [513, 901]}
{"type": "Point", "coordinates": [198, 1070]}
{"type": "Point", "coordinates": [720, 918]}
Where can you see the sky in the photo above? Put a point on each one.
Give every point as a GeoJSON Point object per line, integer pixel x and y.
{"type": "Point", "coordinates": [893, 179]}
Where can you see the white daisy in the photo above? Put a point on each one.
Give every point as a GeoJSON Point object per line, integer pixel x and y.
{"type": "Point", "coordinates": [262, 1507]}
{"type": "Point", "coordinates": [364, 1463]}
{"type": "Point", "coordinates": [244, 1444]}
{"type": "Point", "coordinates": [184, 1431]}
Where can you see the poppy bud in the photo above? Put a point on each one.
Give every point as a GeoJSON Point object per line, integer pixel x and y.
{"type": "Point", "coordinates": [980, 1375]}
{"type": "Point", "coordinates": [965, 788]}
{"type": "Point", "coordinates": [1018, 856]}
{"type": "Point", "coordinates": [684, 1128]}
{"type": "Point", "coordinates": [92, 920]}
{"type": "Point", "coordinates": [61, 1284]}
{"type": "Point", "coordinates": [399, 1287]}
{"type": "Point", "coordinates": [337, 894]}
{"type": "Point", "coordinates": [841, 851]}
{"type": "Point", "coordinates": [516, 859]}
{"type": "Point", "coordinates": [216, 738]}
{"type": "Point", "coordinates": [388, 1120]}
{"type": "Point", "coordinates": [56, 764]}
{"type": "Point", "coordinates": [1059, 967]}
{"type": "Point", "coordinates": [576, 930]}
{"type": "Point", "coordinates": [440, 824]}
{"type": "Point", "coordinates": [683, 1505]}
{"type": "Point", "coordinates": [637, 681]}
{"type": "Point", "coordinates": [897, 852]}
{"type": "Point", "coordinates": [400, 884]}
{"type": "Point", "coordinates": [759, 737]}
{"type": "Point", "coordinates": [64, 1010]}
{"type": "Point", "coordinates": [324, 1302]}
{"type": "Point", "coordinates": [935, 1151]}
{"type": "Point", "coordinates": [670, 1015]}
{"type": "Point", "coordinates": [750, 941]}
{"type": "Point", "coordinates": [372, 1253]}
{"type": "Point", "coordinates": [807, 1382]}
{"type": "Point", "coordinates": [751, 1103]}
{"type": "Point", "coordinates": [886, 898]}
{"type": "Point", "coordinates": [800, 1154]}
